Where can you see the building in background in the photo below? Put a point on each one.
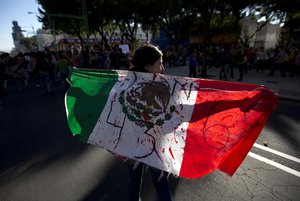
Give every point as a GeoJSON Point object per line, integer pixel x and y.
{"type": "Point", "coordinates": [267, 36]}
{"type": "Point", "coordinates": [17, 35]}
{"type": "Point", "coordinates": [46, 38]}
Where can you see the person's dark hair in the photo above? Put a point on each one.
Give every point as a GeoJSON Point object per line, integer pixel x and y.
{"type": "Point", "coordinates": [143, 56]}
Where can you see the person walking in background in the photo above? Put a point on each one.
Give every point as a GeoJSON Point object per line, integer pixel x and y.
{"type": "Point", "coordinates": [261, 58]}
{"type": "Point", "coordinates": [62, 68]}
{"type": "Point", "coordinates": [45, 70]}
{"type": "Point", "coordinates": [224, 64]}
{"type": "Point", "coordinates": [296, 65]}
{"type": "Point", "coordinates": [280, 62]}
{"type": "Point", "coordinates": [291, 64]}
{"type": "Point", "coordinates": [75, 57]}
{"type": "Point", "coordinates": [241, 63]}
{"type": "Point", "coordinates": [193, 64]}
{"type": "Point", "coordinates": [247, 53]}
{"type": "Point", "coordinates": [147, 58]}
{"type": "Point", "coordinates": [233, 57]}
{"type": "Point", "coordinates": [21, 73]}
{"type": "Point", "coordinates": [95, 60]}
{"type": "Point", "coordinates": [113, 58]}
{"type": "Point", "coordinates": [199, 59]}
{"type": "Point", "coordinates": [170, 56]}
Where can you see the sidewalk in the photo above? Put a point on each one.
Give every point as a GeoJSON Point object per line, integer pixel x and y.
{"type": "Point", "coordinates": [287, 87]}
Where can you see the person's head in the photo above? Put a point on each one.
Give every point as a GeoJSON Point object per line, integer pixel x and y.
{"type": "Point", "coordinates": [147, 58]}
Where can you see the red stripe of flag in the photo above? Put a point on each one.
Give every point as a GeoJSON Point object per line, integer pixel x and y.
{"type": "Point", "coordinates": [226, 121]}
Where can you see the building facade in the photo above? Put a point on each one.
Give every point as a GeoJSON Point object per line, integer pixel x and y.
{"type": "Point", "coordinates": [267, 36]}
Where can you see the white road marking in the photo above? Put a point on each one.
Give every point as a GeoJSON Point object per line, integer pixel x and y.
{"type": "Point", "coordinates": [275, 164]}
{"type": "Point", "coordinates": [292, 158]}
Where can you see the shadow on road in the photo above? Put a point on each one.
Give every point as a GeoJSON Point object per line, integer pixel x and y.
{"type": "Point", "coordinates": [37, 149]}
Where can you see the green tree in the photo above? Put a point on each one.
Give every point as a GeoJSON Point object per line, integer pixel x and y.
{"type": "Point", "coordinates": [289, 13]}
{"type": "Point", "coordinates": [171, 17]}
{"type": "Point", "coordinates": [214, 16]}
{"type": "Point", "coordinates": [175, 17]}
{"type": "Point", "coordinates": [68, 16]}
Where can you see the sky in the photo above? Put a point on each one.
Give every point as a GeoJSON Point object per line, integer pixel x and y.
{"type": "Point", "coordinates": [17, 10]}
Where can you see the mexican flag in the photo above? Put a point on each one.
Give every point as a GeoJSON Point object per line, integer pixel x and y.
{"type": "Point", "coordinates": [185, 126]}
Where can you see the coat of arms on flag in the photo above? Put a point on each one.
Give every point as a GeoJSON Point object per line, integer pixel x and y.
{"type": "Point", "coordinates": [185, 126]}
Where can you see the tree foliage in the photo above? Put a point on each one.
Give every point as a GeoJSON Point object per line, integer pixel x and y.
{"type": "Point", "coordinates": [289, 13]}
{"type": "Point", "coordinates": [67, 16]}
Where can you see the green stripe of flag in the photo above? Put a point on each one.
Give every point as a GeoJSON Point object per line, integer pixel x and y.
{"type": "Point", "coordinates": [86, 98]}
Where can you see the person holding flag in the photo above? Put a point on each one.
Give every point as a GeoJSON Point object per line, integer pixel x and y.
{"type": "Point", "coordinates": [147, 58]}
{"type": "Point", "coordinates": [183, 126]}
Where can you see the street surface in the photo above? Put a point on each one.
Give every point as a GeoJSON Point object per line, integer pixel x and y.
{"type": "Point", "coordinates": [41, 161]}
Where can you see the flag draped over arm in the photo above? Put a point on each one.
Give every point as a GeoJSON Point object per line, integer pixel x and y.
{"type": "Point", "coordinates": [185, 126]}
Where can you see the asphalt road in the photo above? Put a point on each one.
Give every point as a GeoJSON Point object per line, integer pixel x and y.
{"type": "Point", "coordinates": [41, 161]}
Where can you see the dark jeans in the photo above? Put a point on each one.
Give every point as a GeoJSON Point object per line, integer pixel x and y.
{"type": "Point", "coordinates": [278, 66]}
{"type": "Point", "coordinates": [192, 72]}
{"type": "Point", "coordinates": [47, 81]}
{"type": "Point", "coordinates": [223, 71]}
{"type": "Point", "coordinates": [241, 68]}
{"type": "Point", "coordinates": [160, 182]}
{"type": "Point", "coordinates": [260, 65]}
{"type": "Point", "coordinates": [64, 75]}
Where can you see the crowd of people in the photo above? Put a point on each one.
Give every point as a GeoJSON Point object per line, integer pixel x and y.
{"type": "Point", "coordinates": [43, 68]}
{"type": "Point", "coordinates": [244, 59]}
